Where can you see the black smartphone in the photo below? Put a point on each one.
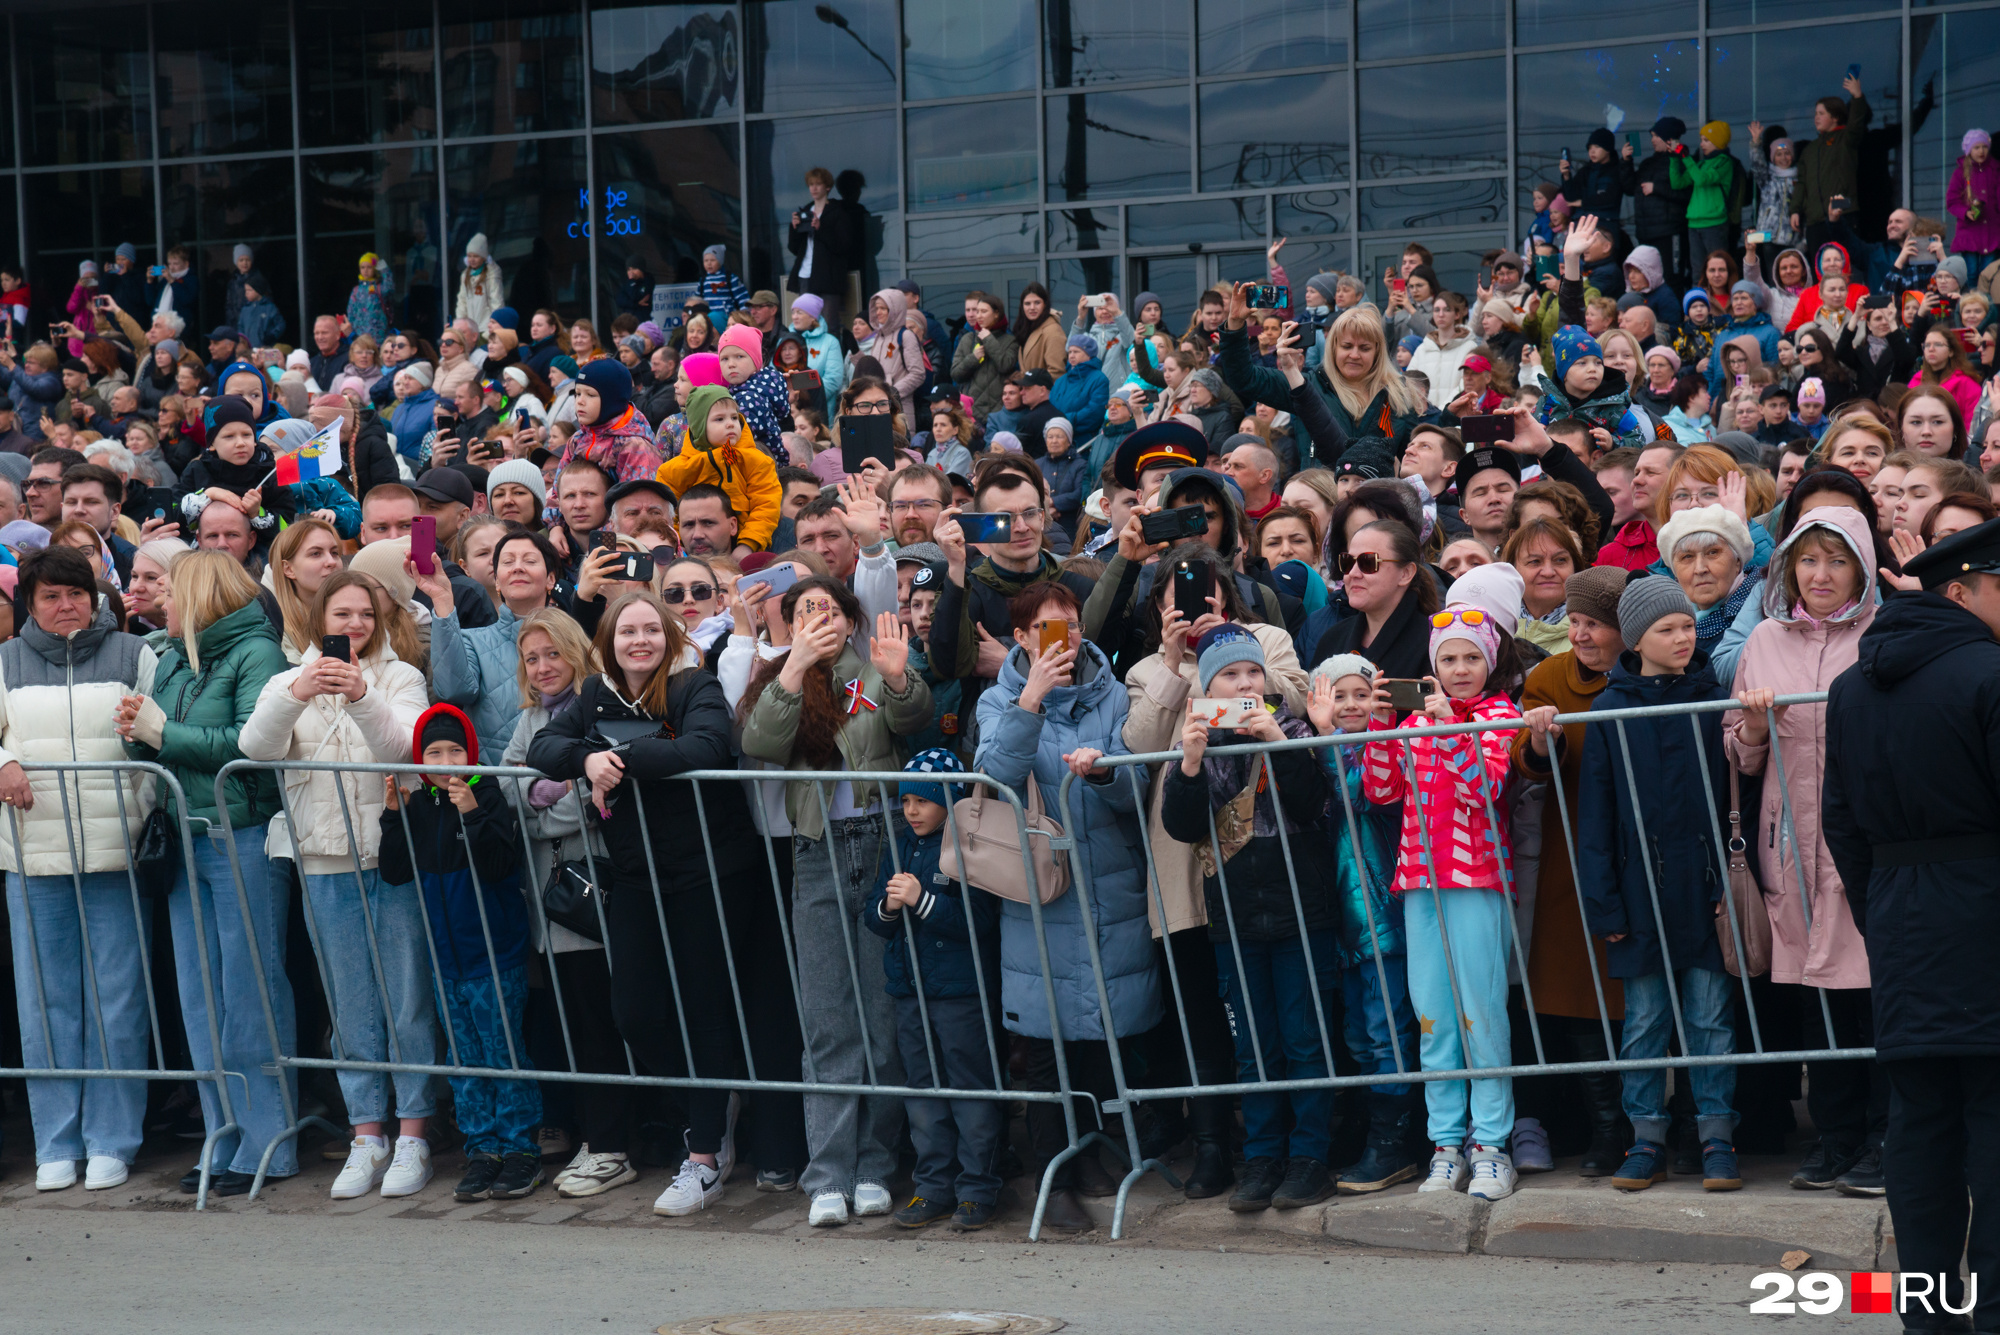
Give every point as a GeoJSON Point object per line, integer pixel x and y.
{"type": "Point", "coordinates": [1485, 428]}
{"type": "Point", "coordinates": [1194, 582]}
{"type": "Point", "coordinates": [867, 436]}
{"type": "Point", "coordinates": [1406, 696]}
{"type": "Point", "coordinates": [157, 502]}
{"type": "Point", "coordinates": [447, 423]}
{"type": "Point", "coordinates": [522, 417]}
{"type": "Point", "coordinates": [982, 527]}
{"type": "Point", "coordinates": [1183, 521]}
{"type": "Point", "coordinates": [638, 567]}
{"type": "Point", "coordinates": [335, 646]}
{"type": "Point", "coordinates": [1271, 296]}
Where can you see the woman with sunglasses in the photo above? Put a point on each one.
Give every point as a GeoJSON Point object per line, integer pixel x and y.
{"type": "Point", "coordinates": [691, 587]}
{"type": "Point", "coordinates": [455, 367]}
{"type": "Point", "coordinates": [1388, 594]}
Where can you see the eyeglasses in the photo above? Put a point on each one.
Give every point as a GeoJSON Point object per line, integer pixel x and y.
{"type": "Point", "coordinates": [1028, 518]}
{"type": "Point", "coordinates": [870, 406]}
{"type": "Point", "coordinates": [675, 594]}
{"type": "Point", "coordinates": [1467, 616]}
{"type": "Point", "coordinates": [43, 483]}
{"type": "Point", "coordinates": [914, 507]}
{"type": "Point", "coordinates": [1707, 497]}
{"type": "Point", "coordinates": [1368, 563]}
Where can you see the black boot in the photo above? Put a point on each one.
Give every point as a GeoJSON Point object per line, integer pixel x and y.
{"type": "Point", "coordinates": [1387, 1159]}
{"type": "Point", "coordinates": [1602, 1090]}
{"type": "Point", "coordinates": [1212, 1173]}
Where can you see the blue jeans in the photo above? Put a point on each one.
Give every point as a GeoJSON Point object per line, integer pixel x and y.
{"type": "Point", "coordinates": [497, 1116]}
{"type": "Point", "coordinates": [1476, 922]}
{"type": "Point", "coordinates": [1649, 1023]}
{"type": "Point", "coordinates": [75, 1118]}
{"type": "Point", "coordinates": [1275, 996]}
{"type": "Point", "coordinates": [409, 1032]}
{"type": "Point", "coordinates": [955, 1139]}
{"type": "Point", "coordinates": [1367, 1029]}
{"type": "Point", "coordinates": [240, 989]}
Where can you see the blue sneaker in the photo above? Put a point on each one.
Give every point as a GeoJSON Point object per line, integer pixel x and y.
{"type": "Point", "coordinates": [1718, 1166]}
{"type": "Point", "coordinates": [1645, 1163]}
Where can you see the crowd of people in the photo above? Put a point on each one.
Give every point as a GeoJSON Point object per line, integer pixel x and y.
{"type": "Point", "coordinates": [1617, 474]}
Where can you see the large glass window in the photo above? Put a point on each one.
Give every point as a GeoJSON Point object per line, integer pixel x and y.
{"type": "Point", "coordinates": [225, 77]}
{"type": "Point", "coordinates": [364, 87]}
{"type": "Point", "coordinates": [87, 91]}
{"type": "Point", "coordinates": [1393, 28]}
{"type": "Point", "coordinates": [1312, 213]}
{"type": "Point", "coordinates": [1456, 259]}
{"type": "Point", "coordinates": [1418, 119]}
{"type": "Point", "coordinates": [1112, 41]}
{"type": "Point", "coordinates": [1419, 204]}
{"type": "Point", "coordinates": [664, 198]}
{"type": "Point", "coordinates": [973, 235]}
{"type": "Point", "coordinates": [385, 202]}
{"type": "Point", "coordinates": [512, 66]}
{"type": "Point", "coordinates": [1108, 145]}
{"type": "Point", "coordinates": [1245, 35]}
{"type": "Point", "coordinates": [969, 155]}
{"type": "Point", "coordinates": [833, 53]}
{"type": "Point", "coordinates": [663, 62]}
{"type": "Point", "coordinates": [1203, 220]}
{"type": "Point", "coordinates": [1546, 22]}
{"type": "Point", "coordinates": [1623, 89]}
{"type": "Point", "coordinates": [212, 207]}
{"type": "Point", "coordinates": [524, 195]}
{"type": "Point", "coordinates": [952, 49]}
{"type": "Point", "coordinates": [1730, 13]}
{"type": "Point", "coordinates": [1083, 229]}
{"type": "Point", "coordinates": [84, 215]}
{"type": "Point", "coordinates": [1955, 59]}
{"type": "Point", "coordinates": [859, 149]}
{"type": "Point", "coordinates": [1265, 132]}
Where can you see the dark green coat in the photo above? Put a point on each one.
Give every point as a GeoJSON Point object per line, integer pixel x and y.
{"type": "Point", "coordinates": [1256, 384]}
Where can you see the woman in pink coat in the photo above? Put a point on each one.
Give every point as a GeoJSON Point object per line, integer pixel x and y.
{"type": "Point", "coordinates": [1973, 197]}
{"type": "Point", "coordinates": [1820, 600]}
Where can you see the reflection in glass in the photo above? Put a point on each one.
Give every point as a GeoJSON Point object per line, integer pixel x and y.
{"type": "Point", "coordinates": [512, 66]}
{"type": "Point", "coordinates": [663, 198]}
{"type": "Point", "coordinates": [1106, 145]}
{"type": "Point", "coordinates": [528, 198]}
{"type": "Point", "coordinates": [1456, 260]}
{"type": "Point", "coordinates": [1730, 13]}
{"type": "Point", "coordinates": [86, 93]}
{"type": "Point", "coordinates": [83, 215]}
{"type": "Point", "coordinates": [1967, 70]}
{"type": "Point", "coordinates": [804, 54]}
{"type": "Point", "coordinates": [225, 77]}
{"type": "Point", "coordinates": [1539, 22]}
{"type": "Point", "coordinates": [1174, 279]}
{"type": "Point", "coordinates": [953, 49]}
{"type": "Point", "coordinates": [1392, 28]}
{"type": "Point", "coordinates": [986, 234]}
{"type": "Point", "coordinates": [210, 207]}
{"type": "Point", "coordinates": [1303, 259]}
{"type": "Point", "coordinates": [1417, 119]}
{"type": "Point", "coordinates": [859, 149]}
{"type": "Point", "coordinates": [1311, 213]}
{"type": "Point", "coordinates": [1620, 88]}
{"type": "Point", "coordinates": [1244, 145]}
{"type": "Point", "coordinates": [367, 86]}
{"type": "Point", "coordinates": [1083, 229]}
{"type": "Point", "coordinates": [1105, 41]}
{"type": "Point", "coordinates": [1204, 220]}
{"type": "Point", "coordinates": [1433, 204]}
{"type": "Point", "coordinates": [971, 154]}
{"type": "Point", "coordinates": [1069, 279]}
{"type": "Point", "coordinates": [387, 202]}
{"type": "Point", "coordinates": [663, 62]}
{"type": "Point", "coordinates": [1244, 35]}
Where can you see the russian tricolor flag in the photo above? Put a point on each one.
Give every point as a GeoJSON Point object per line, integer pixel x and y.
{"type": "Point", "coordinates": [318, 457]}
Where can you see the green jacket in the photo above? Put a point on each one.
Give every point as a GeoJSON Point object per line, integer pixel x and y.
{"type": "Point", "coordinates": [206, 711]}
{"type": "Point", "coordinates": [1711, 177]}
{"type": "Point", "coordinates": [1828, 166]}
{"type": "Point", "coordinates": [867, 738]}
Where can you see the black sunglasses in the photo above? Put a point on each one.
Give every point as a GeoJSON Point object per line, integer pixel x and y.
{"type": "Point", "coordinates": [699, 593]}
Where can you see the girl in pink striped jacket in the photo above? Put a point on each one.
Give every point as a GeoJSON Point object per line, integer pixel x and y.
{"type": "Point", "coordinates": [1453, 823]}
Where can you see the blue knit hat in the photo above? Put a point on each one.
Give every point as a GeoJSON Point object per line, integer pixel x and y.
{"type": "Point", "coordinates": [1226, 644]}
{"type": "Point", "coordinates": [1572, 344]}
{"type": "Point", "coordinates": [1696, 294]}
{"type": "Point", "coordinates": [937, 760]}
{"type": "Point", "coordinates": [506, 317]}
{"type": "Point", "coordinates": [1410, 342]}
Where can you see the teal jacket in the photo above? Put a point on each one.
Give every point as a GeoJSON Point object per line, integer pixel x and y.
{"type": "Point", "coordinates": [206, 710]}
{"type": "Point", "coordinates": [1365, 881]}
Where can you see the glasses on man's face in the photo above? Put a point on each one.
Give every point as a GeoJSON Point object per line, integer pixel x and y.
{"type": "Point", "coordinates": [1028, 518]}
{"type": "Point", "coordinates": [868, 406]}
{"type": "Point", "coordinates": [675, 594]}
{"type": "Point", "coordinates": [914, 507]}
{"type": "Point", "coordinates": [1368, 563]}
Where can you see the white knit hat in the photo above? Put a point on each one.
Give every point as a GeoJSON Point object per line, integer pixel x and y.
{"type": "Point", "coordinates": [1734, 533]}
{"type": "Point", "coordinates": [1495, 588]}
{"type": "Point", "coordinates": [1346, 665]}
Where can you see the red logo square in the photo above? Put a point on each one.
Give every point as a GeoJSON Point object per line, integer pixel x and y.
{"type": "Point", "coordinates": [1870, 1293]}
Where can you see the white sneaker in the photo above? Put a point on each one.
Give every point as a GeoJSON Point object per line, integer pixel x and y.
{"type": "Point", "coordinates": [725, 1158]}
{"type": "Point", "coordinates": [410, 1171]}
{"type": "Point", "coordinates": [1447, 1171]}
{"type": "Point", "coordinates": [692, 1189]}
{"type": "Point", "coordinates": [1492, 1175]}
{"type": "Point", "coordinates": [829, 1210]}
{"type": "Point", "coordinates": [583, 1156]}
{"type": "Point", "coordinates": [367, 1162]}
{"type": "Point", "coordinates": [594, 1174]}
{"type": "Point", "coordinates": [58, 1176]}
{"type": "Point", "coordinates": [871, 1198]}
{"type": "Point", "coordinates": [104, 1172]}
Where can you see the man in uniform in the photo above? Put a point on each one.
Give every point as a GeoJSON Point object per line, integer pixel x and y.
{"type": "Point", "coordinates": [1912, 788]}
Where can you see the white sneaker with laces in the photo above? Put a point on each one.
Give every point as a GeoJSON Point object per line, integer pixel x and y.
{"type": "Point", "coordinates": [410, 1171]}
{"type": "Point", "coordinates": [693, 1187]}
{"type": "Point", "coordinates": [596, 1174]}
{"type": "Point", "coordinates": [829, 1210]}
{"type": "Point", "coordinates": [871, 1198]}
{"type": "Point", "coordinates": [58, 1176]}
{"type": "Point", "coordinates": [583, 1157]}
{"type": "Point", "coordinates": [1492, 1174]}
{"type": "Point", "coordinates": [104, 1172]}
{"type": "Point", "coordinates": [367, 1163]}
{"type": "Point", "coordinates": [1447, 1171]}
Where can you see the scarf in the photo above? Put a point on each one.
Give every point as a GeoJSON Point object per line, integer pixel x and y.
{"type": "Point", "coordinates": [1799, 613]}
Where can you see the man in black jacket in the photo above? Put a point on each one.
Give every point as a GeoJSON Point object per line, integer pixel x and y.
{"type": "Point", "coordinates": [1911, 784]}
{"type": "Point", "coordinates": [1659, 211]}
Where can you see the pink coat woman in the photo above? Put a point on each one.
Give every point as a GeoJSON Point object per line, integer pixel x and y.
{"type": "Point", "coordinates": [1960, 386]}
{"type": "Point", "coordinates": [1975, 182]}
{"type": "Point", "coordinates": [1792, 654]}
{"type": "Point", "coordinates": [900, 351]}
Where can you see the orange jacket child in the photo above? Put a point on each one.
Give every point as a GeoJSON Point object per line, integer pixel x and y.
{"type": "Point", "coordinates": [749, 476]}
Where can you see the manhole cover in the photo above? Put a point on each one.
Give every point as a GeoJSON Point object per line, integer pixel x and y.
{"type": "Point", "coordinates": [868, 1321]}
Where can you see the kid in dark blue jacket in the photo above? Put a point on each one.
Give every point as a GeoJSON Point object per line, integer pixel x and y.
{"type": "Point", "coordinates": [955, 937]}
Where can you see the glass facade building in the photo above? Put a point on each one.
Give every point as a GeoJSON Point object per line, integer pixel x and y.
{"type": "Point", "coordinates": [1090, 144]}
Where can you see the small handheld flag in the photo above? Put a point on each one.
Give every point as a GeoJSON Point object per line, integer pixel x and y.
{"type": "Point", "coordinates": [317, 457]}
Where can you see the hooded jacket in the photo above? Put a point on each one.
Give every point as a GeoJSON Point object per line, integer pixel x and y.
{"type": "Point", "coordinates": [1080, 395]}
{"type": "Point", "coordinates": [765, 402]}
{"type": "Point", "coordinates": [1773, 185]}
{"type": "Point", "coordinates": [900, 350]}
{"type": "Point", "coordinates": [211, 470]}
{"type": "Point", "coordinates": [1661, 300]}
{"type": "Point", "coordinates": [1661, 215]}
{"type": "Point", "coordinates": [1710, 180]}
{"type": "Point", "coordinates": [981, 366]}
{"type": "Point", "coordinates": [482, 292]}
{"type": "Point", "coordinates": [1808, 308]}
{"type": "Point", "coordinates": [825, 355]}
{"type": "Point", "coordinates": [749, 476]}
{"type": "Point", "coordinates": [1444, 363]}
{"type": "Point", "coordinates": [1792, 654]}
{"type": "Point", "coordinates": [1912, 751]}
{"type": "Point", "coordinates": [1759, 329]}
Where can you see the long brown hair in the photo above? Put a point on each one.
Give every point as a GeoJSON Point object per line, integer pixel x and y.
{"type": "Point", "coordinates": [292, 607]}
{"type": "Point", "coordinates": [653, 695]}
{"type": "Point", "coordinates": [349, 579]}
{"type": "Point", "coordinates": [816, 739]}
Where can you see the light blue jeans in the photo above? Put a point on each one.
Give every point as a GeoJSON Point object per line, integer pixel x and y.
{"type": "Point", "coordinates": [75, 1118]}
{"type": "Point", "coordinates": [408, 1032]}
{"type": "Point", "coordinates": [239, 991]}
{"type": "Point", "coordinates": [1708, 1020]}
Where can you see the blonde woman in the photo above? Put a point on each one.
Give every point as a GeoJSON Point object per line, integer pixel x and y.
{"type": "Point", "coordinates": [357, 709]}
{"type": "Point", "coordinates": [1357, 377]}
{"type": "Point", "coordinates": [302, 558]}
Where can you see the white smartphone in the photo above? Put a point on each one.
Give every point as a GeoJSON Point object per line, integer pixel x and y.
{"type": "Point", "coordinates": [1227, 712]}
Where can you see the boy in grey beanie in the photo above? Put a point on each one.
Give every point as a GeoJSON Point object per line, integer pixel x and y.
{"type": "Point", "coordinates": [1646, 601]}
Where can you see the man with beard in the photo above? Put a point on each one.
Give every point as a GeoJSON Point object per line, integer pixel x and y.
{"type": "Point", "coordinates": [918, 494]}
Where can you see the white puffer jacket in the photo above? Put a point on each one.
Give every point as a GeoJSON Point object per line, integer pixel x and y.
{"type": "Point", "coordinates": [375, 729]}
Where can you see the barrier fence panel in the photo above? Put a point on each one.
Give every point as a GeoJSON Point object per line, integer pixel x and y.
{"type": "Point", "coordinates": [88, 1005]}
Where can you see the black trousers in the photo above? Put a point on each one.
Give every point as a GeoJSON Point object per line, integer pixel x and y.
{"type": "Point", "coordinates": [1944, 1119]}
{"type": "Point", "coordinates": [772, 1134]}
{"type": "Point", "coordinates": [1849, 1100]}
{"type": "Point", "coordinates": [1089, 1071]}
{"type": "Point", "coordinates": [606, 1115]}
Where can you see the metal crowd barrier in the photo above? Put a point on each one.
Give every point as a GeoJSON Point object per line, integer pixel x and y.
{"type": "Point", "coordinates": [1135, 770]}
{"type": "Point", "coordinates": [71, 797]}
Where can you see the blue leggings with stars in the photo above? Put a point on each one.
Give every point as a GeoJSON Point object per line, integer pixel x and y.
{"type": "Point", "coordinates": [1475, 921]}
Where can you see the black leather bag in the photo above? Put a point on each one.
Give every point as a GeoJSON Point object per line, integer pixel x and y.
{"type": "Point", "coordinates": [156, 855]}
{"type": "Point", "coordinates": [571, 899]}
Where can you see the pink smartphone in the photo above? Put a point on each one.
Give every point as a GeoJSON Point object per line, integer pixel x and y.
{"type": "Point", "coordinates": [1227, 712]}
{"type": "Point", "coordinates": [423, 543]}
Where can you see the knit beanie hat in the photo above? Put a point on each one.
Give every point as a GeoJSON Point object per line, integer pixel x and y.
{"type": "Point", "coordinates": [1005, 441]}
{"type": "Point", "coordinates": [613, 384]}
{"type": "Point", "coordinates": [1061, 424]}
{"type": "Point", "coordinates": [1812, 390]}
{"type": "Point", "coordinates": [720, 252]}
{"type": "Point", "coordinates": [1973, 139]}
{"type": "Point", "coordinates": [1673, 358]}
{"type": "Point", "coordinates": [1483, 634]}
{"type": "Point", "coordinates": [1572, 343]}
{"type": "Point", "coordinates": [1644, 602]}
{"type": "Point", "coordinates": [1670, 128]}
{"type": "Point", "coordinates": [565, 363]}
{"type": "Point", "coordinates": [1734, 533]}
{"type": "Point", "coordinates": [229, 408]}
{"type": "Point", "coordinates": [1368, 459]}
{"type": "Point", "coordinates": [1410, 342]}
{"type": "Point", "coordinates": [519, 471]}
{"type": "Point", "coordinates": [1226, 644]}
{"type": "Point", "coordinates": [1084, 341]}
{"type": "Point", "coordinates": [698, 405]}
{"type": "Point", "coordinates": [1595, 592]}
{"type": "Point", "coordinates": [1346, 665]}
{"type": "Point", "coordinates": [1955, 266]}
{"type": "Point", "coordinates": [1716, 134]}
{"type": "Point", "coordinates": [504, 316]}
{"type": "Point", "coordinates": [171, 347]}
{"type": "Point", "coordinates": [745, 339]}
{"type": "Point", "coordinates": [441, 726]}
{"type": "Point", "coordinates": [936, 760]}
{"type": "Point", "coordinates": [417, 371]}
{"type": "Point", "coordinates": [241, 252]}
{"type": "Point", "coordinates": [1694, 294]}
{"type": "Point", "coordinates": [1602, 138]}
{"type": "Point", "coordinates": [1206, 377]}
{"type": "Point", "coordinates": [653, 333]}
{"type": "Point", "coordinates": [1750, 290]}
{"type": "Point", "coordinates": [704, 368]}
{"type": "Point", "coordinates": [810, 304]}
{"type": "Point", "coordinates": [1140, 302]}
{"type": "Point", "coordinates": [1324, 284]}
{"type": "Point", "coordinates": [127, 251]}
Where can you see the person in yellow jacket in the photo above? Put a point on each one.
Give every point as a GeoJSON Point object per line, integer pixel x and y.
{"type": "Point", "coordinates": [748, 476]}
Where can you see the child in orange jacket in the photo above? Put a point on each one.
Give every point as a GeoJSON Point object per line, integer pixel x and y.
{"type": "Point", "coordinates": [712, 455]}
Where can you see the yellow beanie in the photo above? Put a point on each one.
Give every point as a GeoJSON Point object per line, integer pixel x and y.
{"type": "Point", "coordinates": [1716, 133]}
